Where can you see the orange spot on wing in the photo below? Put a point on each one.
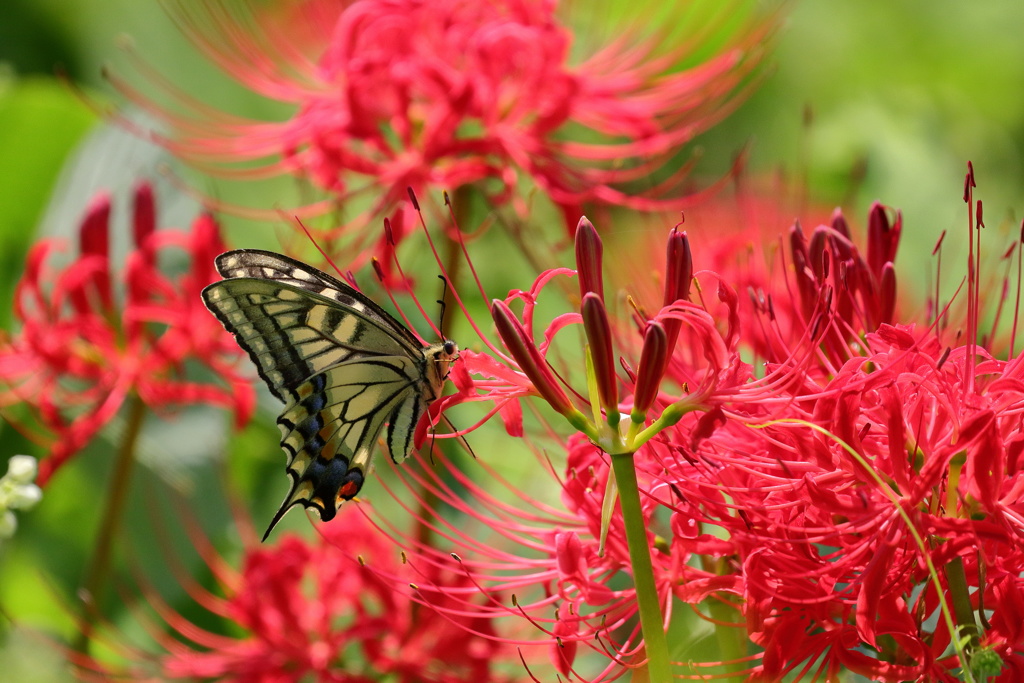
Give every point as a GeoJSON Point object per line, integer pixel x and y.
{"type": "Point", "coordinates": [348, 490]}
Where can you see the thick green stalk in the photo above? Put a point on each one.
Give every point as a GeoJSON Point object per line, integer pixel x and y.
{"type": "Point", "coordinates": [732, 641]}
{"type": "Point", "coordinates": [961, 596]}
{"type": "Point", "coordinates": [117, 496]}
{"type": "Point", "coordinates": [659, 666]}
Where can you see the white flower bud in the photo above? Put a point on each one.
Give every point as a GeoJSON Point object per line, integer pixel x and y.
{"type": "Point", "coordinates": [22, 469]}
{"type": "Point", "coordinates": [24, 497]}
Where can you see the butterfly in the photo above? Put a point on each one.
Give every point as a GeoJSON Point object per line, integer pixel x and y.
{"type": "Point", "coordinates": [345, 369]}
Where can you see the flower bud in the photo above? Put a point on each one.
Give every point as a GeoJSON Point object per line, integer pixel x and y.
{"type": "Point", "coordinates": [589, 251]}
{"type": "Point", "coordinates": [24, 497]}
{"type": "Point", "coordinates": [678, 275]}
{"type": "Point", "coordinates": [806, 285]}
{"type": "Point", "coordinates": [678, 268]}
{"type": "Point", "coordinates": [529, 358]}
{"type": "Point", "coordinates": [205, 240]}
{"type": "Point", "coordinates": [653, 359]}
{"type": "Point", "coordinates": [883, 238]}
{"type": "Point", "coordinates": [94, 231]}
{"type": "Point", "coordinates": [143, 214]}
{"type": "Point", "coordinates": [22, 469]}
{"type": "Point", "coordinates": [8, 524]}
{"type": "Point", "coordinates": [887, 294]}
{"type": "Point", "coordinates": [94, 247]}
{"type": "Point", "coordinates": [839, 223]}
{"type": "Point", "coordinates": [599, 336]}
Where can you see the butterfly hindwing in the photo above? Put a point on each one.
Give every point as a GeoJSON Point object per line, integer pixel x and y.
{"type": "Point", "coordinates": [343, 366]}
{"type": "Point", "coordinates": [331, 423]}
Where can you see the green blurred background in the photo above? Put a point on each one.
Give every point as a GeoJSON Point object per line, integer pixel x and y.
{"type": "Point", "coordinates": [869, 100]}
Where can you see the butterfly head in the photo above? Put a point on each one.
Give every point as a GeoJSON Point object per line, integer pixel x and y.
{"type": "Point", "coordinates": [440, 357]}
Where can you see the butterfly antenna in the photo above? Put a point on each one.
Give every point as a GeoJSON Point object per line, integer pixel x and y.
{"type": "Point", "coordinates": [444, 305]}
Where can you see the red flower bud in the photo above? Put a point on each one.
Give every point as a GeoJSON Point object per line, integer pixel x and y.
{"type": "Point", "coordinates": [653, 359]}
{"type": "Point", "coordinates": [887, 294]}
{"type": "Point", "coordinates": [883, 238]}
{"type": "Point", "coordinates": [839, 223]}
{"type": "Point", "coordinates": [143, 215]}
{"type": "Point", "coordinates": [529, 358]}
{"type": "Point", "coordinates": [588, 259]}
{"type": "Point", "coordinates": [94, 247]}
{"type": "Point", "coordinates": [678, 267]}
{"type": "Point", "coordinates": [599, 336]}
{"type": "Point", "coordinates": [678, 275]}
{"type": "Point", "coordinates": [94, 232]}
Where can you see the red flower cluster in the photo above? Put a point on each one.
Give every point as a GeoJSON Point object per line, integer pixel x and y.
{"type": "Point", "coordinates": [856, 500]}
{"type": "Point", "coordinates": [324, 610]}
{"type": "Point", "coordinates": [89, 340]}
{"type": "Point", "coordinates": [393, 94]}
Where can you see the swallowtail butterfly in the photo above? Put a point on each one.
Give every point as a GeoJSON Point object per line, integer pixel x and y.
{"type": "Point", "coordinates": [345, 369]}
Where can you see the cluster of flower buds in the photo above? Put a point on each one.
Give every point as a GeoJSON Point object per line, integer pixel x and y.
{"type": "Point", "coordinates": [17, 492]}
{"type": "Point", "coordinates": [659, 338]}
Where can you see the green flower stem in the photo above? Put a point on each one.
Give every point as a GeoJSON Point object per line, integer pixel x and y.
{"type": "Point", "coordinates": [732, 641]}
{"type": "Point", "coordinates": [962, 608]}
{"type": "Point", "coordinates": [117, 497]}
{"type": "Point", "coordinates": [637, 437]}
{"type": "Point", "coordinates": [659, 667]}
{"type": "Point", "coordinates": [732, 644]}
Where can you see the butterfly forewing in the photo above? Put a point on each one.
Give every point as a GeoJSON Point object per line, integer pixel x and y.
{"type": "Point", "coordinates": [344, 368]}
{"type": "Point", "coordinates": [267, 265]}
{"type": "Point", "coordinates": [291, 333]}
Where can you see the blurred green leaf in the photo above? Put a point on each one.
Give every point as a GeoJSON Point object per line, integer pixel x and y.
{"type": "Point", "coordinates": [41, 120]}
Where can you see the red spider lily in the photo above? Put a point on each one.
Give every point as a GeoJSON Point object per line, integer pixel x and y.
{"type": "Point", "coordinates": [310, 610]}
{"type": "Point", "coordinates": [871, 433]}
{"type": "Point", "coordinates": [392, 94]}
{"type": "Point", "coordinates": [862, 480]}
{"type": "Point", "coordinates": [715, 347]}
{"type": "Point", "coordinates": [89, 340]}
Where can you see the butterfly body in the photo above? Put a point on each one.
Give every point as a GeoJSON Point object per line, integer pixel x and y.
{"type": "Point", "coordinates": [346, 370]}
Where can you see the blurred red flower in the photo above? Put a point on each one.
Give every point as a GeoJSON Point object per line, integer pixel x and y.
{"type": "Point", "coordinates": [395, 94]}
{"type": "Point", "coordinates": [88, 339]}
{"type": "Point", "coordinates": [324, 610]}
